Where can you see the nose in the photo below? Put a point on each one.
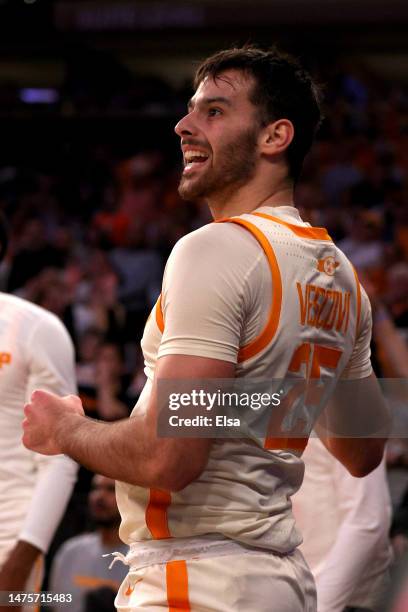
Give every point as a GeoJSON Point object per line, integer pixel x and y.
{"type": "Point", "coordinates": [185, 126]}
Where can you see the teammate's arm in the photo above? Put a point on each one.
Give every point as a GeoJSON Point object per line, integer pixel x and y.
{"type": "Point", "coordinates": [16, 570]}
{"type": "Point", "coordinates": [128, 450]}
{"type": "Point", "coordinates": [50, 363]}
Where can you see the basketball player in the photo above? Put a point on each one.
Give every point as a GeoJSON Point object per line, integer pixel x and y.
{"type": "Point", "coordinates": [261, 294]}
{"type": "Point", "coordinates": [35, 351]}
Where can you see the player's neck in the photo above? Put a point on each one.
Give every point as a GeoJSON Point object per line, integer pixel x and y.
{"type": "Point", "coordinates": [250, 197]}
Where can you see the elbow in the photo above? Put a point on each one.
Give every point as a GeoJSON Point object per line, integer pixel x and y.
{"type": "Point", "coordinates": [174, 482]}
{"type": "Point", "coordinates": [174, 485]}
{"type": "Point", "coordinates": [361, 470]}
{"type": "Point", "coordinates": [367, 464]}
{"type": "Point", "coordinates": [172, 476]}
{"type": "Point", "coordinates": [359, 456]}
{"type": "Point", "coordinates": [172, 465]}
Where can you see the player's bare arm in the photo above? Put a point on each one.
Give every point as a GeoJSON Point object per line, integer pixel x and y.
{"type": "Point", "coordinates": [16, 570]}
{"type": "Point", "coordinates": [128, 450]}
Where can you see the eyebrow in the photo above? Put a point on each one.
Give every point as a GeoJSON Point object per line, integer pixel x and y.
{"type": "Point", "coordinates": [208, 101]}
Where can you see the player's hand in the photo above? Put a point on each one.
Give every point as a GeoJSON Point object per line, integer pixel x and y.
{"type": "Point", "coordinates": [46, 417]}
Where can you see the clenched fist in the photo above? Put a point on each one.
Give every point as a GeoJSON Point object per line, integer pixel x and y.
{"type": "Point", "coordinates": [46, 417]}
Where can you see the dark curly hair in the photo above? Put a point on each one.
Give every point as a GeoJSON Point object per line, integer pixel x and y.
{"type": "Point", "coordinates": [282, 90]}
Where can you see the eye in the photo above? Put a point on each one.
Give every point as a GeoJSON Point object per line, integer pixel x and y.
{"type": "Point", "coordinates": [213, 111]}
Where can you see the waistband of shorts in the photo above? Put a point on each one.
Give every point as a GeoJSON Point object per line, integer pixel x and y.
{"type": "Point", "coordinates": [154, 552]}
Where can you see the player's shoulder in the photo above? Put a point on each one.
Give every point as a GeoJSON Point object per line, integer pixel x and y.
{"type": "Point", "coordinates": [24, 306]}
{"type": "Point", "coordinates": [220, 239]}
{"type": "Point", "coordinates": [343, 266]}
{"type": "Point", "coordinates": [351, 281]}
{"type": "Point", "coordinates": [33, 315]}
{"type": "Point", "coordinates": [348, 267]}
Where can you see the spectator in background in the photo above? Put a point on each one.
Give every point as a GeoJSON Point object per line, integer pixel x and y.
{"type": "Point", "coordinates": [96, 298]}
{"type": "Point", "coordinates": [88, 348]}
{"type": "Point", "coordinates": [79, 567]}
{"type": "Point", "coordinates": [341, 174]}
{"type": "Point", "coordinates": [139, 269]}
{"type": "Point", "coordinates": [140, 184]}
{"type": "Point", "coordinates": [50, 291]}
{"type": "Point", "coordinates": [100, 600]}
{"type": "Point", "coordinates": [106, 392]}
{"type": "Point", "coordinates": [397, 208]}
{"type": "Point", "coordinates": [396, 296]}
{"type": "Point", "coordinates": [32, 254]}
{"type": "Point", "coordinates": [363, 245]}
{"type": "Point", "coordinates": [109, 225]}
{"type": "Point", "coordinates": [113, 398]}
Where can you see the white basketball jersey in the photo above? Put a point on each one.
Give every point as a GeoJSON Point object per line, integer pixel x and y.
{"type": "Point", "coordinates": [280, 299]}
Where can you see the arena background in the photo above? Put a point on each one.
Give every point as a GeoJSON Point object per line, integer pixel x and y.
{"type": "Point", "coordinates": [89, 164]}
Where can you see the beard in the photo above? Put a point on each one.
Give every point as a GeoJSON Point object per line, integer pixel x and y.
{"type": "Point", "coordinates": [235, 168]}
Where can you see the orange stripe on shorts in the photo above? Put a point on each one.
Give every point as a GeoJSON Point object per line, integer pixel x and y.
{"type": "Point", "coordinates": [177, 586]}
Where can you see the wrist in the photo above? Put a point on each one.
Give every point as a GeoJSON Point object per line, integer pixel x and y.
{"type": "Point", "coordinates": [66, 429]}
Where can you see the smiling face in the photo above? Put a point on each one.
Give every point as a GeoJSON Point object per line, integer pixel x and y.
{"type": "Point", "coordinates": [219, 137]}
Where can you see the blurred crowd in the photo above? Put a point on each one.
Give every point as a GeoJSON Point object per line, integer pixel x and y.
{"type": "Point", "coordinates": [91, 231]}
{"type": "Point", "coordinates": [90, 236]}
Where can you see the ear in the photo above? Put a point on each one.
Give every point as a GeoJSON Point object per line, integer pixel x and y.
{"type": "Point", "coordinates": [276, 137]}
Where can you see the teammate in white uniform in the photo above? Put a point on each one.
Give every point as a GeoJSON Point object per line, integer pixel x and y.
{"type": "Point", "coordinates": [345, 523]}
{"type": "Point", "coordinates": [35, 351]}
{"type": "Point", "coordinates": [261, 294]}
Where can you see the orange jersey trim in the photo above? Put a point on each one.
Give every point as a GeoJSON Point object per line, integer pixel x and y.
{"type": "Point", "coordinates": [177, 586]}
{"type": "Point", "coordinates": [159, 314]}
{"type": "Point", "coordinates": [312, 233]}
{"type": "Point", "coordinates": [290, 444]}
{"type": "Point", "coordinates": [264, 338]}
{"type": "Point", "coordinates": [156, 514]}
{"type": "Point", "coordinates": [358, 301]}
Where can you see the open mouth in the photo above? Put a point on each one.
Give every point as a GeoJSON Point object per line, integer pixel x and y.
{"type": "Point", "coordinates": [194, 159]}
